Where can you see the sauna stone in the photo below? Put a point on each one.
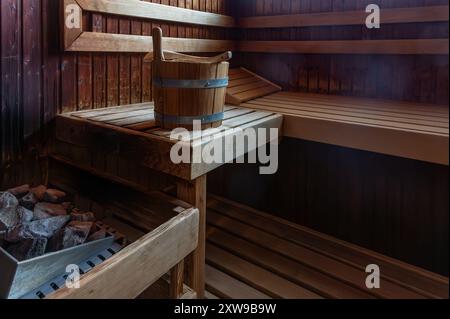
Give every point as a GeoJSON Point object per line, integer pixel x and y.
{"type": "Point", "coordinates": [20, 191]}
{"type": "Point", "coordinates": [54, 196]}
{"type": "Point", "coordinates": [39, 192]}
{"type": "Point", "coordinates": [24, 215]}
{"type": "Point", "coordinates": [29, 201]}
{"type": "Point", "coordinates": [68, 206]}
{"type": "Point", "coordinates": [29, 248]}
{"type": "Point", "coordinates": [50, 209]}
{"type": "Point", "coordinates": [8, 206]}
{"type": "Point", "coordinates": [39, 214]}
{"type": "Point", "coordinates": [83, 217]}
{"type": "Point", "coordinates": [76, 233]}
{"type": "Point", "coordinates": [36, 229]}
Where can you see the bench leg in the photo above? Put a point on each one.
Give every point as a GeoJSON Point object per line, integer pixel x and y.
{"type": "Point", "coordinates": [194, 193]}
{"type": "Point", "coordinates": [177, 280]}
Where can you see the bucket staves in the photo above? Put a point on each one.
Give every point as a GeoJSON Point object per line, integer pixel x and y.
{"type": "Point", "coordinates": [188, 88]}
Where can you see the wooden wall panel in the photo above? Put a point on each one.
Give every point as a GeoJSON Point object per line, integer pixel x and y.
{"type": "Point", "coordinates": [38, 80]}
{"type": "Point", "coordinates": [413, 78]}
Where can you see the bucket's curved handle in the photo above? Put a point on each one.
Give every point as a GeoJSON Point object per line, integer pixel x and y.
{"type": "Point", "coordinates": [157, 44]}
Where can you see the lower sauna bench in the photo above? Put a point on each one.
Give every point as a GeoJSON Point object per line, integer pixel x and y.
{"type": "Point", "coordinates": [253, 255]}
{"type": "Point", "coordinates": [162, 231]}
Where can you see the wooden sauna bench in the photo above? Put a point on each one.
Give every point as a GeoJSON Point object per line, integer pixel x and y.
{"type": "Point", "coordinates": [410, 130]}
{"type": "Point", "coordinates": [255, 255]}
{"type": "Point", "coordinates": [123, 144]}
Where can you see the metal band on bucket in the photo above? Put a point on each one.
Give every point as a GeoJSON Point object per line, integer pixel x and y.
{"type": "Point", "coordinates": [188, 120]}
{"type": "Point", "coordinates": [191, 84]}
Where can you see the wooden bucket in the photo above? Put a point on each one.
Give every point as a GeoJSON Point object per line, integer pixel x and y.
{"type": "Point", "coordinates": [188, 89]}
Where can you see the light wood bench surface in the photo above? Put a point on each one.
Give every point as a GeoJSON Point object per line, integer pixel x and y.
{"type": "Point", "coordinates": [410, 130]}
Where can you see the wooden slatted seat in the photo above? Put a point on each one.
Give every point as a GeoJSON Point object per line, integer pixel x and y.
{"type": "Point", "coordinates": [268, 256]}
{"type": "Point", "coordinates": [132, 128]}
{"type": "Point", "coordinates": [410, 130]}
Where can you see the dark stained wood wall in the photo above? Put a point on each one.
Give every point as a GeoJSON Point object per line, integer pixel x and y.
{"type": "Point", "coordinates": [38, 80]}
{"type": "Point", "coordinates": [415, 78]}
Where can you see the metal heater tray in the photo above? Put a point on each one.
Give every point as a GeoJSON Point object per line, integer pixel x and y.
{"type": "Point", "coordinates": [20, 277]}
{"type": "Point", "coordinates": [60, 281]}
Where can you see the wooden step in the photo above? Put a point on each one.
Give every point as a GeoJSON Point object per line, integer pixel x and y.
{"type": "Point", "coordinates": [224, 286]}
{"type": "Point", "coordinates": [248, 245]}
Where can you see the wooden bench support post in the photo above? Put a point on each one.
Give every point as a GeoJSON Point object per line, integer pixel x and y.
{"type": "Point", "coordinates": [177, 280]}
{"type": "Point", "coordinates": [194, 193]}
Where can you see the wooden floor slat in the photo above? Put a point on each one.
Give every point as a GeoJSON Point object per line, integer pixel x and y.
{"type": "Point", "coordinates": [348, 274]}
{"type": "Point", "coordinates": [227, 287]}
{"type": "Point", "coordinates": [242, 240]}
{"type": "Point", "coordinates": [285, 267]}
{"type": "Point", "coordinates": [210, 295]}
{"type": "Point", "coordinates": [259, 278]}
{"type": "Point", "coordinates": [427, 283]}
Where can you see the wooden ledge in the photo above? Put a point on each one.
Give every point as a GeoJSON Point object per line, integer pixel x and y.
{"type": "Point", "coordinates": [409, 130]}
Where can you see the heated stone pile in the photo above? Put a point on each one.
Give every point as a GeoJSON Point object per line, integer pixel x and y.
{"type": "Point", "coordinates": [36, 221]}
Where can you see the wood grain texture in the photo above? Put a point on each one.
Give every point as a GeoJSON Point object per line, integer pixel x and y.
{"type": "Point", "coordinates": [163, 248]}
{"type": "Point", "coordinates": [407, 47]}
{"type": "Point", "coordinates": [106, 42]}
{"type": "Point", "coordinates": [154, 11]}
{"type": "Point", "coordinates": [364, 126]}
{"type": "Point", "coordinates": [270, 243]}
{"type": "Point", "coordinates": [368, 199]}
{"type": "Point", "coordinates": [194, 193]}
{"type": "Point", "coordinates": [130, 132]}
{"type": "Point", "coordinates": [364, 75]}
{"type": "Point", "coordinates": [389, 16]}
{"type": "Point", "coordinates": [44, 81]}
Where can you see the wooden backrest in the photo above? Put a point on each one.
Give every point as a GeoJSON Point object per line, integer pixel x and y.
{"type": "Point", "coordinates": [245, 85]}
{"type": "Point", "coordinates": [81, 39]}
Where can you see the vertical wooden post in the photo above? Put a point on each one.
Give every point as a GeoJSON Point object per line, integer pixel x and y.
{"type": "Point", "coordinates": [177, 280]}
{"type": "Point", "coordinates": [194, 193]}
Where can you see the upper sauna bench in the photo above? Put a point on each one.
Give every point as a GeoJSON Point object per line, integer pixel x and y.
{"type": "Point", "coordinates": [409, 130]}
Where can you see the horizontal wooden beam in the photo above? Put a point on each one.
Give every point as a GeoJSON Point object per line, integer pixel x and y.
{"type": "Point", "coordinates": [108, 42]}
{"type": "Point", "coordinates": [148, 10]}
{"type": "Point", "coordinates": [138, 266]}
{"type": "Point", "coordinates": [398, 15]}
{"type": "Point", "coordinates": [419, 46]}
